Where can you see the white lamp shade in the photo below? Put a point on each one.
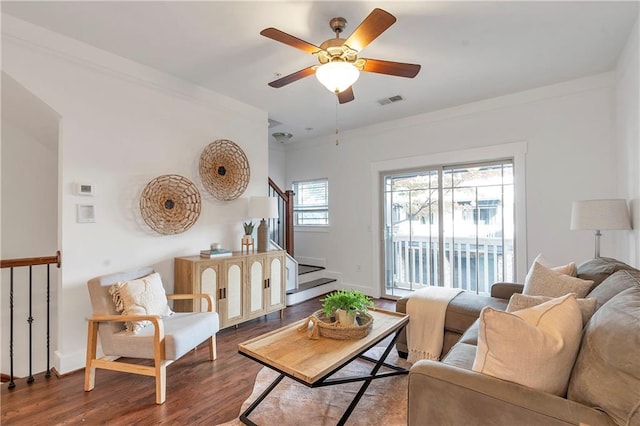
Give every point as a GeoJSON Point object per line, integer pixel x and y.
{"type": "Point", "coordinates": [600, 215]}
{"type": "Point", "coordinates": [263, 207]}
{"type": "Point", "coordinates": [337, 76]}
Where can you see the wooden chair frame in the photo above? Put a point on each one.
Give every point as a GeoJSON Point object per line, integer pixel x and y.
{"type": "Point", "coordinates": [159, 369]}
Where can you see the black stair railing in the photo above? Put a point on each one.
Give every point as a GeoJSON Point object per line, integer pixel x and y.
{"type": "Point", "coordinates": [29, 262]}
{"type": "Point", "coordinates": [281, 228]}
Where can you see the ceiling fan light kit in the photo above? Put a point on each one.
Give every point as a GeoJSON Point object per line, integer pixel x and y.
{"type": "Point", "coordinates": [338, 57]}
{"type": "Point", "coordinates": [337, 76]}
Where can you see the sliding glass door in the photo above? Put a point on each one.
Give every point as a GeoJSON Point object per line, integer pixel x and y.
{"type": "Point", "coordinates": [450, 226]}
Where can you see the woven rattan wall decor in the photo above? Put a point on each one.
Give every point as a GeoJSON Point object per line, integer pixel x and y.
{"type": "Point", "coordinates": [170, 204]}
{"type": "Point", "coordinates": [224, 170]}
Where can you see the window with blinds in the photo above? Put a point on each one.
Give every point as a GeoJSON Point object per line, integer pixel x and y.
{"type": "Point", "coordinates": [311, 202]}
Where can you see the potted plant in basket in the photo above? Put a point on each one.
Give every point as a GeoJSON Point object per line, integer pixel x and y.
{"type": "Point", "coordinates": [345, 305]}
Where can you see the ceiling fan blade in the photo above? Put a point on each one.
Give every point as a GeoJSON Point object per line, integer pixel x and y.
{"type": "Point", "coordinates": [399, 69]}
{"type": "Point", "coordinates": [373, 25]}
{"type": "Point", "coordinates": [346, 95]}
{"type": "Point", "coordinates": [293, 77]}
{"type": "Point", "coordinates": [285, 38]}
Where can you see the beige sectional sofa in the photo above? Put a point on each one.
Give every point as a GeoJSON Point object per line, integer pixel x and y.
{"type": "Point", "coordinates": [604, 386]}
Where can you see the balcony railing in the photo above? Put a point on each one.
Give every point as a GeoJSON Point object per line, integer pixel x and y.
{"type": "Point", "coordinates": [468, 263]}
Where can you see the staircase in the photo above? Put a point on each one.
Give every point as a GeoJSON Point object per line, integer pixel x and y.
{"type": "Point", "coordinates": [312, 282]}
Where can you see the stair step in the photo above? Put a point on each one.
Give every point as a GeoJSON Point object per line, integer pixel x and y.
{"type": "Point", "coordinates": [310, 293]}
{"type": "Point", "coordinates": [311, 284]}
{"type": "Point", "coordinates": [307, 269]}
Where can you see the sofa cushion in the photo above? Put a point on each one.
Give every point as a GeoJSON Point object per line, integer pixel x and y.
{"type": "Point", "coordinates": [465, 308]}
{"type": "Point", "coordinates": [523, 301]}
{"type": "Point", "coordinates": [607, 370]}
{"type": "Point", "coordinates": [542, 281]}
{"type": "Point", "coordinates": [615, 284]}
{"type": "Point", "coordinates": [471, 335]}
{"type": "Point", "coordinates": [534, 347]}
{"type": "Point", "coordinates": [598, 269]}
{"type": "Point", "coordinates": [461, 355]}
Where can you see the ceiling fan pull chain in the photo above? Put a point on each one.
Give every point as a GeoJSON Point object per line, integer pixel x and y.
{"type": "Point", "coordinates": [337, 130]}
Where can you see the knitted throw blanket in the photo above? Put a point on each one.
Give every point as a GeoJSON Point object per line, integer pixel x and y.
{"type": "Point", "coordinates": [425, 332]}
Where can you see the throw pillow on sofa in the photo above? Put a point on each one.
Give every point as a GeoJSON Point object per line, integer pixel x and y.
{"type": "Point", "coordinates": [522, 301]}
{"type": "Point", "coordinates": [144, 296]}
{"type": "Point", "coordinates": [569, 269]}
{"type": "Point", "coordinates": [542, 281]}
{"type": "Point", "coordinates": [535, 347]}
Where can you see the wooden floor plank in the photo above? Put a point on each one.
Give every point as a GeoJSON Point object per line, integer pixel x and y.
{"type": "Point", "coordinates": [198, 391]}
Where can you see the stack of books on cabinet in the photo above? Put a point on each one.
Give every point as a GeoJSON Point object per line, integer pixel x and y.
{"type": "Point", "coordinates": [210, 254]}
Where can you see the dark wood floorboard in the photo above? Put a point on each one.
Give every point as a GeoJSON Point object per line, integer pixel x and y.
{"type": "Point", "coordinates": [198, 391]}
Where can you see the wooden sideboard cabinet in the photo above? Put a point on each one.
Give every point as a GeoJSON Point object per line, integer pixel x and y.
{"type": "Point", "coordinates": [243, 286]}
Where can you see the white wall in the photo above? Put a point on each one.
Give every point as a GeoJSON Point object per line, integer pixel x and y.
{"type": "Point", "coordinates": [29, 196]}
{"type": "Point", "coordinates": [628, 138]}
{"type": "Point", "coordinates": [567, 129]}
{"type": "Point", "coordinates": [123, 124]}
{"type": "Point", "coordinates": [277, 164]}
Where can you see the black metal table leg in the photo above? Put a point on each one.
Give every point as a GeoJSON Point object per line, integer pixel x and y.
{"type": "Point", "coordinates": [367, 382]}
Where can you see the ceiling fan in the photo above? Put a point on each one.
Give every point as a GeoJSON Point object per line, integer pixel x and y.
{"type": "Point", "coordinates": [339, 63]}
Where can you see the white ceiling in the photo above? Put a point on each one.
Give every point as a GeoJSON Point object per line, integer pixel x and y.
{"type": "Point", "coordinates": [468, 50]}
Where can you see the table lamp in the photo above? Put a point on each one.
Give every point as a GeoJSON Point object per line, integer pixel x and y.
{"type": "Point", "coordinates": [263, 208]}
{"type": "Point", "coordinates": [597, 215]}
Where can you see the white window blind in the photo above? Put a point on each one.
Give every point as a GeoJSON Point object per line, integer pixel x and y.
{"type": "Point", "coordinates": [311, 202]}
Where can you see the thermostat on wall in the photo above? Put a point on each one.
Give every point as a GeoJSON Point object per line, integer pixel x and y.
{"type": "Point", "coordinates": [85, 189]}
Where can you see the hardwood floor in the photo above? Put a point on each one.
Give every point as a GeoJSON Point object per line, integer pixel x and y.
{"type": "Point", "coordinates": [198, 391]}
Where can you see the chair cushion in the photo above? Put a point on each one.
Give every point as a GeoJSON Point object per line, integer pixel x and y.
{"type": "Point", "coordinates": [606, 374]}
{"type": "Point", "coordinates": [542, 281]}
{"type": "Point", "coordinates": [183, 332]}
{"type": "Point", "coordinates": [535, 347]}
{"type": "Point", "coordinates": [142, 296]}
{"type": "Point", "coordinates": [523, 301]}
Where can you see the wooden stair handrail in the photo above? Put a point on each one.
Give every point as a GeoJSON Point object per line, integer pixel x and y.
{"type": "Point", "coordinates": [32, 261]}
{"type": "Point", "coordinates": [276, 188]}
{"type": "Point", "coordinates": [287, 197]}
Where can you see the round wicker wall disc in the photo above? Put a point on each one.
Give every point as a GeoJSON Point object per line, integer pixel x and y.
{"type": "Point", "coordinates": [224, 170]}
{"type": "Point", "coordinates": [170, 204]}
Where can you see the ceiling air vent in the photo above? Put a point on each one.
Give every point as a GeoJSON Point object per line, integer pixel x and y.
{"type": "Point", "coordinates": [390, 100]}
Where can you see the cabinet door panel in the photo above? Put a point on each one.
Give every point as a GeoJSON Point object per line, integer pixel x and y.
{"type": "Point", "coordinates": [234, 292]}
{"type": "Point", "coordinates": [256, 291]}
{"type": "Point", "coordinates": [209, 284]}
{"type": "Point", "coordinates": [275, 282]}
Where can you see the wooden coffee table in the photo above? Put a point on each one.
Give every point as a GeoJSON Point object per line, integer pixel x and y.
{"type": "Point", "coordinates": [312, 362]}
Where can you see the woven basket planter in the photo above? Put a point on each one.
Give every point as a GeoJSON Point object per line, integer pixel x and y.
{"type": "Point", "coordinates": [323, 326]}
